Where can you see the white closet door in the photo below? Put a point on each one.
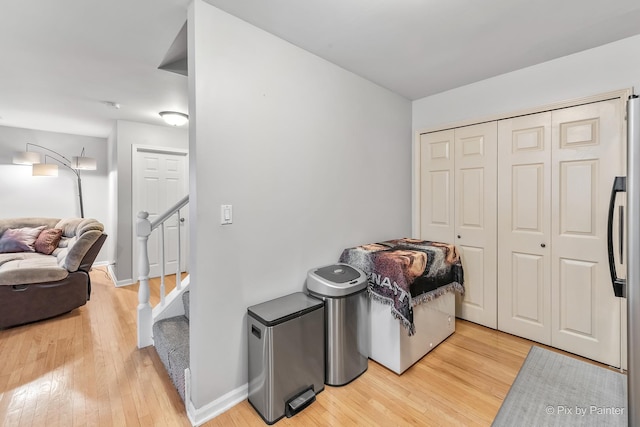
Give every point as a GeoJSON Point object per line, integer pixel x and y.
{"type": "Point", "coordinates": [436, 186]}
{"type": "Point", "coordinates": [524, 227]}
{"type": "Point", "coordinates": [587, 155]}
{"type": "Point", "coordinates": [475, 220]}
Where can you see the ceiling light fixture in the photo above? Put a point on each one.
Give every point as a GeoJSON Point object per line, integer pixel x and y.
{"type": "Point", "coordinates": [174, 118]}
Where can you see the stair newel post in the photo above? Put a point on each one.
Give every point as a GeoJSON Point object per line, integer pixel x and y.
{"type": "Point", "coordinates": [145, 321]}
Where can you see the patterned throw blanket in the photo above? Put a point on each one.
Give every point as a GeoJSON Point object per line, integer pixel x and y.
{"type": "Point", "coordinates": [406, 272]}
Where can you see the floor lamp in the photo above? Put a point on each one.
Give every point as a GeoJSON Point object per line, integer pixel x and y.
{"type": "Point", "coordinates": [76, 164]}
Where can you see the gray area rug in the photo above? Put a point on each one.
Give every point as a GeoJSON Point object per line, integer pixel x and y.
{"type": "Point", "coordinates": [556, 390]}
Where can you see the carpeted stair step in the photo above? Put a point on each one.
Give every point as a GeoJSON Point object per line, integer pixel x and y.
{"type": "Point", "coordinates": [185, 302]}
{"type": "Point", "coordinates": [171, 340]}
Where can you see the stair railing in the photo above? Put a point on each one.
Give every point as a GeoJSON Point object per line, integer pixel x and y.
{"type": "Point", "coordinates": [144, 228]}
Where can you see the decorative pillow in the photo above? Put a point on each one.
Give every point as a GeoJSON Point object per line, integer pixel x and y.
{"type": "Point", "coordinates": [19, 239]}
{"type": "Point", "coordinates": [47, 241]}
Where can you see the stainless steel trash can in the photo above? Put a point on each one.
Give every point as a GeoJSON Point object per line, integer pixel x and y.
{"type": "Point", "coordinates": [286, 355]}
{"type": "Point", "coordinates": [347, 326]}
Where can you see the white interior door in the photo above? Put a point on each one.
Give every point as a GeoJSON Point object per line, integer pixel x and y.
{"type": "Point", "coordinates": [436, 186]}
{"type": "Point", "coordinates": [476, 220]}
{"type": "Point", "coordinates": [524, 227]}
{"type": "Point", "coordinates": [160, 180]}
{"type": "Point", "coordinates": [588, 152]}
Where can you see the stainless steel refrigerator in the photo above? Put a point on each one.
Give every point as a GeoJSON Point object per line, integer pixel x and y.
{"type": "Point", "coordinates": [631, 289]}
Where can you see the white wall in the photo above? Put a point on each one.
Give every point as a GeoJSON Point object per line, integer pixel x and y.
{"type": "Point", "coordinates": [126, 135]}
{"type": "Point", "coordinates": [610, 67]}
{"type": "Point", "coordinates": [23, 195]}
{"type": "Point", "coordinates": [313, 159]}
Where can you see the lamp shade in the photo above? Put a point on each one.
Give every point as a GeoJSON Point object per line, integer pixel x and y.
{"type": "Point", "coordinates": [26, 157]}
{"type": "Point", "coordinates": [174, 118]}
{"type": "Point", "coordinates": [83, 163]}
{"type": "Point", "coordinates": [44, 169]}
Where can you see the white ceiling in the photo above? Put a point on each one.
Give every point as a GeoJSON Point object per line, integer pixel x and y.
{"type": "Point", "coordinates": [60, 59]}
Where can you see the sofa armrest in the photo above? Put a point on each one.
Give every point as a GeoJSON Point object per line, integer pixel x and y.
{"type": "Point", "coordinates": [92, 253]}
{"type": "Point", "coordinates": [86, 233]}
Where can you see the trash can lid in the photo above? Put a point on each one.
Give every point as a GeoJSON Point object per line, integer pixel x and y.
{"type": "Point", "coordinates": [279, 310]}
{"type": "Point", "coordinates": [336, 280]}
{"type": "Point", "coordinates": [338, 273]}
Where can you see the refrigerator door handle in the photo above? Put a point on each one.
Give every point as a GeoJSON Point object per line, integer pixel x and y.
{"type": "Point", "coordinates": [619, 285]}
{"type": "Point", "coordinates": [621, 232]}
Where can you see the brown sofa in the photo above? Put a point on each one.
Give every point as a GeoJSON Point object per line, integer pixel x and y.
{"type": "Point", "coordinates": [36, 286]}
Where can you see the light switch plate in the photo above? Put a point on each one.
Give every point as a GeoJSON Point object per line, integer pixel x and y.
{"type": "Point", "coordinates": [226, 214]}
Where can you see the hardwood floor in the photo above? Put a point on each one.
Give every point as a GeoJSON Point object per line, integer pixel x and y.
{"type": "Point", "coordinates": [83, 368]}
{"type": "Point", "coordinates": [461, 383]}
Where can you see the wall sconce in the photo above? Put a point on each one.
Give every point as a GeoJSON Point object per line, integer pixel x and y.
{"type": "Point", "coordinates": [174, 118]}
{"type": "Point", "coordinates": [34, 159]}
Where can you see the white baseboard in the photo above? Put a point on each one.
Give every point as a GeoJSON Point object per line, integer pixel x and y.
{"type": "Point", "coordinates": [100, 263]}
{"type": "Point", "coordinates": [213, 409]}
{"type": "Point", "coordinates": [114, 279]}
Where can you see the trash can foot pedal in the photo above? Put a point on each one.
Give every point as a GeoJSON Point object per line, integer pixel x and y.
{"type": "Point", "coordinates": [300, 402]}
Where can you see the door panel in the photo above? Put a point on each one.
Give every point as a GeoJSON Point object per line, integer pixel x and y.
{"type": "Point", "coordinates": [471, 196]}
{"type": "Point", "coordinates": [524, 187]}
{"type": "Point", "coordinates": [528, 302]}
{"type": "Point", "coordinates": [475, 215]}
{"type": "Point", "coordinates": [473, 262]}
{"type": "Point", "coordinates": [527, 198]}
{"type": "Point", "coordinates": [436, 186]}
{"type": "Point", "coordinates": [577, 297]}
{"type": "Point", "coordinates": [587, 153]}
{"type": "Point", "coordinates": [439, 198]}
{"type": "Point", "coordinates": [578, 193]}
